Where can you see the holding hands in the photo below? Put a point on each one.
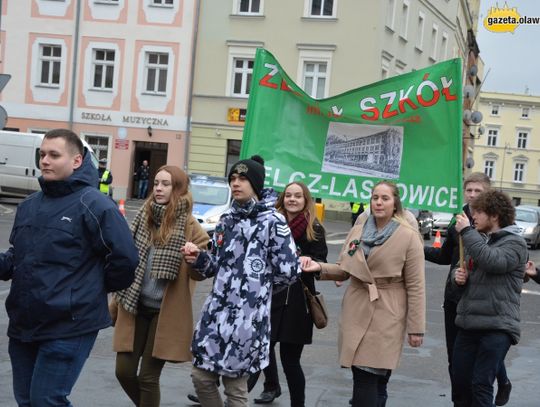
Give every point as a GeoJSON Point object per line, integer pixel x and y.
{"type": "Point", "coordinates": [530, 271]}
{"type": "Point", "coordinates": [190, 252]}
{"type": "Point", "coordinates": [309, 265]}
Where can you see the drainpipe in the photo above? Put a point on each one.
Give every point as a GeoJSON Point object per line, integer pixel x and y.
{"type": "Point", "coordinates": [74, 65]}
{"type": "Point", "coordinates": [191, 83]}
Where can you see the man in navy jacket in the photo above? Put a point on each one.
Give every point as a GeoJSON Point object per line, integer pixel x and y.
{"type": "Point", "coordinates": [70, 246]}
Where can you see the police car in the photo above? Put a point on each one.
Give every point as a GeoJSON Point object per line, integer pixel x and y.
{"type": "Point", "coordinates": [211, 198]}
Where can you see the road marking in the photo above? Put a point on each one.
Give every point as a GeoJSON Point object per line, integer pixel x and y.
{"type": "Point", "coordinates": [335, 241]}
{"type": "Point", "coordinates": [5, 211]}
{"type": "Point", "coordinates": [530, 292]}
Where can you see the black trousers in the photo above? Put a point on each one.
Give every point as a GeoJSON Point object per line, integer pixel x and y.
{"type": "Point", "coordinates": [290, 354]}
{"type": "Point", "coordinates": [451, 331]}
{"type": "Point", "coordinates": [369, 389]}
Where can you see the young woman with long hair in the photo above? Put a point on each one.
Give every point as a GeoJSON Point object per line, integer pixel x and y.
{"type": "Point", "coordinates": [153, 317]}
{"type": "Point", "coordinates": [291, 322]}
{"type": "Point", "coordinates": [383, 257]}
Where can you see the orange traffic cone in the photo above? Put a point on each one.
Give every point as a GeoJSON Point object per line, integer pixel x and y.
{"type": "Point", "coordinates": [121, 207]}
{"type": "Point", "coordinates": [437, 243]}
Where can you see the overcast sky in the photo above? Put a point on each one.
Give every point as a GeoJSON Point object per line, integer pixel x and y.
{"type": "Point", "coordinates": [514, 59]}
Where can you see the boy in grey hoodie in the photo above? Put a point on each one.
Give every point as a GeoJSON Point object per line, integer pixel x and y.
{"type": "Point", "coordinates": [488, 312]}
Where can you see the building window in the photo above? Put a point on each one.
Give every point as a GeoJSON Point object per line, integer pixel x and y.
{"type": "Point", "coordinates": [103, 62]}
{"type": "Point", "coordinates": [495, 110]}
{"type": "Point", "coordinates": [516, 200]}
{"type": "Point", "coordinates": [525, 113]}
{"type": "Point", "coordinates": [248, 6]}
{"type": "Point", "coordinates": [492, 137]}
{"type": "Point", "coordinates": [489, 166]}
{"type": "Point", "coordinates": [420, 30]}
{"type": "Point", "coordinates": [522, 139]}
{"type": "Point", "coordinates": [385, 67]}
{"type": "Point", "coordinates": [434, 39]}
{"type": "Point", "coordinates": [404, 19]}
{"type": "Point", "coordinates": [519, 169]}
{"type": "Point", "coordinates": [390, 12]}
{"type": "Point", "coordinates": [233, 153]}
{"type": "Point", "coordinates": [157, 65]}
{"type": "Point", "coordinates": [50, 63]}
{"type": "Point", "coordinates": [314, 79]}
{"type": "Point", "coordinates": [163, 2]}
{"type": "Point", "coordinates": [242, 73]}
{"type": "Point", "coordinates": [100, 145]}
{"type": "Point", "coordinates": [321, 8]}
{"type": "Point", "coordinates": [444, 46]}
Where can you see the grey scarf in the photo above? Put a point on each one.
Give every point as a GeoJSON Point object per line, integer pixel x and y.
{"type": "Point", "coordinates": [372, 237]}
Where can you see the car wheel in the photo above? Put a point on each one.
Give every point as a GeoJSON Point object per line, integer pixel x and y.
{"type": "Point", "coordinates": [427, 236]}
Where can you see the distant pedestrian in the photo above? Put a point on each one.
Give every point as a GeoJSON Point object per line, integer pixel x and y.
{"type": "Point", "coordinates": [105, 177]}
{"type": "Point", "coordinates": [252, 249]}
{"type": "Point", "coordinates": [70, 246]}
{"type": "Point", "coordinates": [148, 330]}
{"type": "Point", "coordinates": [143, 175]}
{"type": "Point", "coordinates": [357, 208]}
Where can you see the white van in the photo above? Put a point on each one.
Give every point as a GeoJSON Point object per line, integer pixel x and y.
{"type": "Point", "coordinates": [19, 162]}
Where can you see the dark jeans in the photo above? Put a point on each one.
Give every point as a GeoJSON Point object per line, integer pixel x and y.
{"type": "Point", "coordinates": [143, 188]}
{"type": "Point", "coordinates": [290, 354]}
{"type": "Point", "coordinates": [141, 385]}
{"type": "Point", "coordinates": [476, 361]}
{"type": "Point", "coordinates": [369, 390]}
{"type": "Point", "coordinates": [451, 331]}
{"type": "Point", "coordinates": [45, 372]}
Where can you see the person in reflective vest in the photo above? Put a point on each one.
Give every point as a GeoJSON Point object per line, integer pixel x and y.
{"type": "Point", "coordinates": [105, 177]}
{"type": "Point", "coordinates": [356, 209]}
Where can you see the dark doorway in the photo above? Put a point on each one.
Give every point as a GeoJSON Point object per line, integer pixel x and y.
{"type": "Point", "coordinates": [155, 154]}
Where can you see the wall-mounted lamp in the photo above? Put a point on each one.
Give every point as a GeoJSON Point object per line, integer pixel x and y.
{"type": "Point", "coordinates": [149, 130]}
{"type": "Point", "coordinates": [476, 117]}
{"type": "Point", "coordinates": [468, 91]}
{"type": "Point", "coordinates": [473, 70]}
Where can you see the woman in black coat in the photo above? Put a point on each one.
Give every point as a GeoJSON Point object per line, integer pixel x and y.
{"type": "Point", "coordinates": [291, 323]}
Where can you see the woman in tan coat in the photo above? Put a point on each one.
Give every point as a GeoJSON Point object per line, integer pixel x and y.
{"type": "Point", "coordinates": [153, 317]}
{"type": "Point", "coordinates": [385, 300]}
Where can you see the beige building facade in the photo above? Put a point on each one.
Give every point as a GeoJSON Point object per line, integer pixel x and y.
{"type": "Point", "coordinates": [116, 72]}
{"type": "Point", "coordinates": [327, 46]}
{"type": "Point", "coordinates": [507, 146]}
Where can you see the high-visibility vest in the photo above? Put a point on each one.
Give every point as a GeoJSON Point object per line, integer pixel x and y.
{"type": "Point", "coordinates": [356, 207]}
{"type": "Point", "coordinates": [104, 187]}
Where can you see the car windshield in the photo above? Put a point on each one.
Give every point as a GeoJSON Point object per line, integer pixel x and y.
{"type": "Point", "coordinates": [210, 194]}
{"type": "Point", "coordinates": [526, 216]}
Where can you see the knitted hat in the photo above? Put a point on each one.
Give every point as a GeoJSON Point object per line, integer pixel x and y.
{"type": "Point", "coordinates": [253, 170]}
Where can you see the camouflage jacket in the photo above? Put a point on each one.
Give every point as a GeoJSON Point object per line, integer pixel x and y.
{"type": "Point", "coordinates": [252, 249]}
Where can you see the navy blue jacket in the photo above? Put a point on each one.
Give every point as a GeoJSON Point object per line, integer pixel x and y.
{"type": "Point", "coordinates": [70, 246]}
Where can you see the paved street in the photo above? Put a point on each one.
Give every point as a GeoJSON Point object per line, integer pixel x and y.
{"type": "Point", "coordinates": [421, 380]}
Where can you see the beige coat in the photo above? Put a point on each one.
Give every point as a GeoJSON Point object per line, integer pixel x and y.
{"type": "Point", "coordinates": [175, 322]}
{"type": "Point", "coordinates": [384, 300]}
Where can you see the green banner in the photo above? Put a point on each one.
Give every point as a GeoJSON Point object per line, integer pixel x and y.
{"type": "Point", "coordinates": [405, 129]}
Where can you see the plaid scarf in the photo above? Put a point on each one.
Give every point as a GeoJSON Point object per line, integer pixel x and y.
{"type": "Point", "coordinates": [167, 259]}
{"type": "Point", "coordinates": [298, 225]}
